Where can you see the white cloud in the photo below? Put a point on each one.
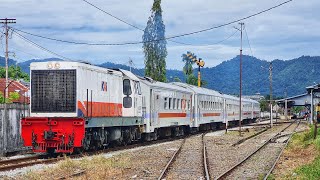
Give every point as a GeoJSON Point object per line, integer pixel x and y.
{"type": "Point", "coordinates": [283, 33]}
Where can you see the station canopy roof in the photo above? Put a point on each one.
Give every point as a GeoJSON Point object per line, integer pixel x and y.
{"type": "Point", "coordinates": [314, 88]}
{"type": "Point", "coordinates": [302, 99]}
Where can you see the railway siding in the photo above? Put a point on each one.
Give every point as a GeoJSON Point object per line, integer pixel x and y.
{"type": "Point", "coordinates": [189, 162]}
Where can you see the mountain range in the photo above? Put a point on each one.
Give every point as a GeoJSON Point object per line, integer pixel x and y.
{"type": "Point", "coordinates": [287, 75]}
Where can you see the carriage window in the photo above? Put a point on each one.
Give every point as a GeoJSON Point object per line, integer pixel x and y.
{"type": "Point", "coordinates": [126, 87]}
{"type": "Point", "coordinates": [178, 104]}
{"type": "Point", "coordinates": [165, 103]}
{"type": "Point", "coordinates": [174, 103]}
{"type": "Point", "coordinates": [170, 103]}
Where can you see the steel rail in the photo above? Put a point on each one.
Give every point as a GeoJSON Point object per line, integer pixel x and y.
{"type": "Point", "coordinates": [249, 137]}
{"type": "Point", "coordinates": [226, 173]}
{"type": "Point", "coordinates": [172, 159]}
{"type": "Point", "coordinates": [279, 155]}
{"type": "Point", "coordinates": [33, 161]}
{"type": "Point", "coordinates": [18, 160]}
{"type": "Point", "coordinates": [205, 159]}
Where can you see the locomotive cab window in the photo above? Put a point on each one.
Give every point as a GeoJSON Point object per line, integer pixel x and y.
{"type": "Point", "coordinates": [126, 87]}
{"type": "Point", "coordinates": [127, 101]}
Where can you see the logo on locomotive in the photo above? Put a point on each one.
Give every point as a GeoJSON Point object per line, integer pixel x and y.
{"type": "Point", "coordinates": [104, 86]}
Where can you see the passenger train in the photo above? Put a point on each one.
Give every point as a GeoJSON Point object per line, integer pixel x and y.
{"type": "Point", "coordinates": [80, 106]}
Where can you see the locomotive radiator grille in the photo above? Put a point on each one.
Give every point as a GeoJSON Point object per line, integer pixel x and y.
{"type": "Point", "coordinates": [53, 91]}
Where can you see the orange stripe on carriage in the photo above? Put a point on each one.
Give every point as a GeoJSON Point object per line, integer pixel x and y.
{"type": "Point", "coordinates": [211, 114]}
{"type": "Point", "coordinates": [233, 114]}
{"type": "Point", "coordinates": [171, 115]}
{"type": "Point", "coordinates": [101, 109]}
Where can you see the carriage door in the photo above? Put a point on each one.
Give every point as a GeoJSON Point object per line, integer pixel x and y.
{"type": "Point", "coordinates": [225, 113]}
{"type": "Point", "coordinates": [137, 99]}
{"type": "Point", "coordinates": [155, 104]}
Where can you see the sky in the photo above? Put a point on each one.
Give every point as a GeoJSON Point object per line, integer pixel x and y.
{"type": "Point", "coordinates": [286, 32]}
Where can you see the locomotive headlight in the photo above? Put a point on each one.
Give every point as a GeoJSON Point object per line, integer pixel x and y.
{"type": "Point", "coordinates": [57, 65]}
{"type": "Point", "coordinates": [49, 66]}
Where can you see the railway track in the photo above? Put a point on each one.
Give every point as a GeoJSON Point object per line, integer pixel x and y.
{"type": "Point", "coordinates": [204, 164]}
{"type": "Point", "coordinates": [279, 155]}
{"type": "Point", "coordinates": [230, 171]}
{"type": "Point", "coordinates": [11, 164]}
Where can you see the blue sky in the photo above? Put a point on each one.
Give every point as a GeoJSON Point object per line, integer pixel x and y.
{"type": "Point", "coordinates": [284, 33]}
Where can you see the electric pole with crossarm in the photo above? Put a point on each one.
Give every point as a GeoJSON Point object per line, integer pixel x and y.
{"type": "Point", "coordinates": [6, 21]}
{"type": "Point", "coordinates": [240, 84]}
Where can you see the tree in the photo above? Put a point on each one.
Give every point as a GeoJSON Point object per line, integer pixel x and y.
{"type": "Point", "coordinates": [188, 71]}
{"type": "Point", "coordinates": [12, 97]}
{"type": "Point", "coordinates": [187, 68]}
{"type": "Point", "coordinates": [14, 73]}
{"type": "Point", "coordinates": [154, 46]}
{"type": "Point", "coordinates": [176, 79]}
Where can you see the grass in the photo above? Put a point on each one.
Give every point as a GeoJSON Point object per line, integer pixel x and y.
{"type": "Point", "coordinates": [300, 142]}
{"type": "Point", "coordinates": [95, 167]}
{"type": "Point", "coordinates": [309, 171]}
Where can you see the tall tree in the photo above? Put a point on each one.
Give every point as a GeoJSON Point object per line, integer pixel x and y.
{"type": "Point", "coordinates": [154, 46]}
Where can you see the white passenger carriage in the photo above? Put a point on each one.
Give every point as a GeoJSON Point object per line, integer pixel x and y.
{"type": "Point", "coordinates": [167, 105]}
{"type": "Point", "coordinates": [207, 105]}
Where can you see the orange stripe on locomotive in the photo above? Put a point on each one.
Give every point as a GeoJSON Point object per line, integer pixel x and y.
{"type": "Point", "coordinates": [100, 109]}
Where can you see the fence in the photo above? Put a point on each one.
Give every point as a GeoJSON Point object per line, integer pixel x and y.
{"type": "Point", "coordinates": [13, 129]}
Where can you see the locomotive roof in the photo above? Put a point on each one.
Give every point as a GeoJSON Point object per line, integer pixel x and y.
{"type": "Point", "coordinates": [70, 65]}
{"type": "Point", "coordinates": [198, 90]}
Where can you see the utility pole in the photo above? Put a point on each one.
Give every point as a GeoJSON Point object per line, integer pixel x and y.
{"type": "Point", "coordinates": [6, 21]}
{"type": "Point", "coordinates": [240, 93]}
{"type": "Point", "coordinates": [286, 105]}
{"type": "Point", "coordinates": [271, 106]}
{"type": "Point", "coordinates": [130, 63]}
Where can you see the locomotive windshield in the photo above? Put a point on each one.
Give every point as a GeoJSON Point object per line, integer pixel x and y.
{"type": "Point", "coordinates": [53, 91]}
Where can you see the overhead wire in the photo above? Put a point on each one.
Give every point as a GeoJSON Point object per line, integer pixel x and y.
{"type": "Point", "coordinates": [32, 55]}
{"type": "Point", "coordinates": [221, 41]}
{"type": "Point", "coordinates": [166, 38]}
{"type": "Point", "coordinates": [39, 46]}
{"type": "Point", "coordinates": [245, 30]}
{"type": "Point", "coordinates": [134, 26]}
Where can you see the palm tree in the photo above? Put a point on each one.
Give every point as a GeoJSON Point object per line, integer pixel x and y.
{"type": "Point", "coordinates": [187, 68]}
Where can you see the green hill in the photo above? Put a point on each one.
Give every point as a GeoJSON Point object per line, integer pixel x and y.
{"type": "Point", "coordinates": [293, 74]}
